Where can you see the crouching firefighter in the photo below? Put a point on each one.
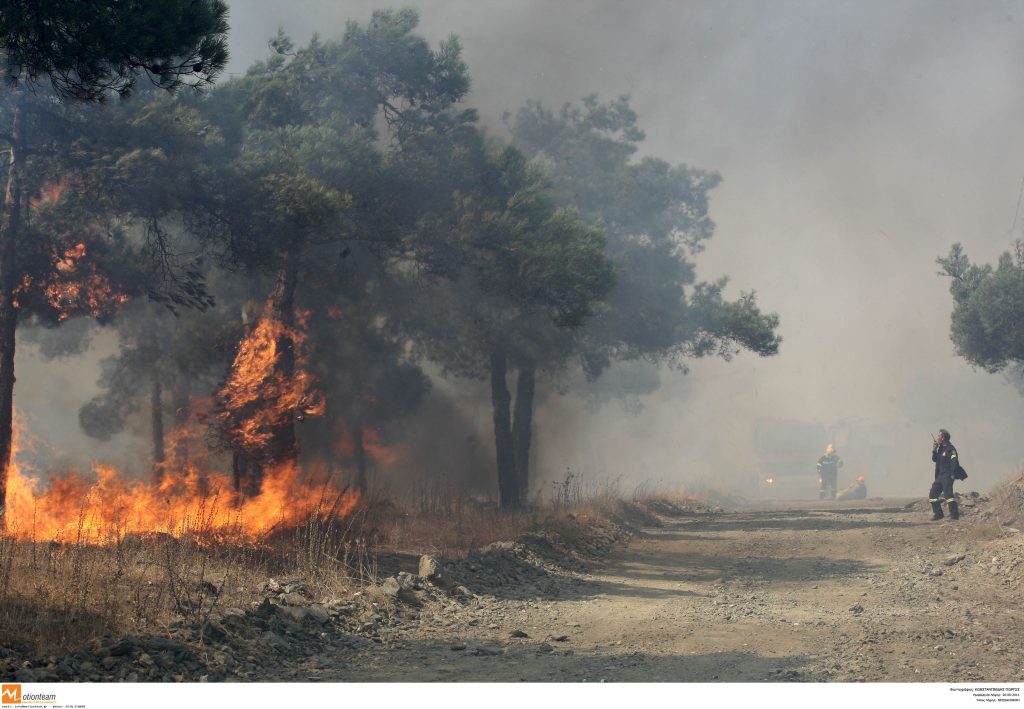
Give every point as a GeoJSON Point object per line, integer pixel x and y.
{"type": "Point", "coordinates": [947, 469]}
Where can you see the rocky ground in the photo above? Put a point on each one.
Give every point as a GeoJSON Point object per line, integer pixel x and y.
{"type": "Point", "coordinates": [799, 592]}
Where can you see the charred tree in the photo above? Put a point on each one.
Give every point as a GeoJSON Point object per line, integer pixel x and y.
{"type": "Point", "coordinates": [359, 453]}
{"type": "Point", "coordinates": [504, 444]}
{"type": "Point", "coordinates": [266, 393]}
{"type": "Point", "coordinates": [246, 473]}
{"type": "Point", "coordinates": [10, 228]}
{"type": "Point", "coordinates": [522, 424]}
{"type": "Point", "coordinates": [182, 410]}
{"type": "Point", "coordinates": [283, 447]}
{"type": "Point", "coordinates": [152, 357]}
{"type": "Point", "coordinates": [156, 401]}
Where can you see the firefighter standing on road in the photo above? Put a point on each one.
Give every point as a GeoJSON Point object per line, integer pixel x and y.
{"type": "Point", "coordinates": [946, 464]}
{"type": "Point", "coordinates": [828, 473]}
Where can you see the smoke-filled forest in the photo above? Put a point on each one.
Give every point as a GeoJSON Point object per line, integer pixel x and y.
{"type": "Point", "coordinates": [288, 299]}
{"type": "Point", "coordinates": [289, 259]}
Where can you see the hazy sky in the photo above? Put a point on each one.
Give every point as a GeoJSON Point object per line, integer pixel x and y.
{"type": "Point", "coordinates": [857, 141]}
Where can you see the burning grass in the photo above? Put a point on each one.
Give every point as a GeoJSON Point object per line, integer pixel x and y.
{"type": "Point", "coordinates": [104, 576]}
{"type": "Point", "coordinates": [100, 582]}
{"type": "Point", "coordinates": [93, 555]}
{"type": "Point", "coordinates": [68, 593]}
{"type": "Point", "coordinates": [106, 507]}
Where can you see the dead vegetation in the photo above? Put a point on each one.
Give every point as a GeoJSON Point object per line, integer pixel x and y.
{"type": "Point", "coordinates": [1008, 501]}
{"type": "Point", "coordinates": [71, 593]}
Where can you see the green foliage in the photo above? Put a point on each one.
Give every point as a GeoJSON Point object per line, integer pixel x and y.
{"type": "Point", "coordinates": [505, 267]}
{"type": "Point", "coordinates": [656, 218]}
{"type": "Point", "coordinates": [89, 49]}
{"type": "Point", "coordinates": [986, 326]}
{"type": "Point", "coordinates": [525, 251]}
{"type": "Point", "coordinates": [115, 178]}
{"type": "Point", "coordinates": [304, 162]}
{"type": "Point", "coordinates": [314, 185]}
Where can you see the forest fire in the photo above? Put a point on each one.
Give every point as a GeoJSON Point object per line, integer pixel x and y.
{"type": "Point", "coordinates": [105, 507]}
{"type": "Point", "coordinates": [74, 288]}
{"type": "Point", "coordinates": [262, 394]}
{"type": "Point", "coordinates": [49, 194]}
{"type": "Point", "coordinates": [346, 445]}
{"type": "Point", "coordinates": [79, 288]}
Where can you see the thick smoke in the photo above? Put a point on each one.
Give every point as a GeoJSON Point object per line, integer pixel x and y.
{"type": "Point", "coordinates": [856, 140]}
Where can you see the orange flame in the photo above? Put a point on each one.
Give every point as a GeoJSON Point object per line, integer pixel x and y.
{"type": "Point", "coordinates": [50, 193]}
{"type": "Point", "coordinates": [345, 445]}
{"type": "Point", "coordinates": [185, 445]}
{"type": "Point", "coordinates": [76, 507]}
{"type": "Point", "coordinates": [75, 288]}
{"type": "Point", "coordinates": [258, 396]}
{"type": "Point", "coordinates": [376, 450]}
{"type": "Point", "coordinates": [104, 507]}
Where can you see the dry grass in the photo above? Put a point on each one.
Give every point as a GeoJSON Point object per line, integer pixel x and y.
{"type": "Point", "coordinates": [1008, 501]}
{"type": "Point", "coordinates": [985, 531]}
{"type": "Point", "coordinates": [69, 594]}
{"type": "Point", "coordinates": [437, 521]}
{"type": "Point", "coordinates": [452, 535]}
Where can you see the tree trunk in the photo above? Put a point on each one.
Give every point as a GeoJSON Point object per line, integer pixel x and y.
{"type": "Point", "coordinates": [239, 470]}
{"type": "Point", "coordinates": [283, 444]}
{"type": "Point", "coordinates": [156, 395]}
{"type": "Point", "coordinates": [359, 451]}
{"type": "Point", "coordinates": [522, 425]}
{"type": "Point", "coordinates": [182, 406]}
{"type": "Point", "coordinates": [156, 401]}
{"type": "Point", "coordinates": [508, 487]}
{"type": "Point", "coordinates": [10, 226]}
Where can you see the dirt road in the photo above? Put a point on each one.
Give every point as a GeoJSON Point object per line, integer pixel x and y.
{"type": "Point", "coordinates": [866, 591]}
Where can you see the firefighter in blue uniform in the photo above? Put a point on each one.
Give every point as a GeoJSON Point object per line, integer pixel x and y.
{"type": "Point", "coordinates": [828, 473]}
{"type": "Point", "coordinates": [947, 463]}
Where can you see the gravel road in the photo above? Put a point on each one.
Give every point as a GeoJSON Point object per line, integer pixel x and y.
{"type": "Point", "coordinates": [799, 592]}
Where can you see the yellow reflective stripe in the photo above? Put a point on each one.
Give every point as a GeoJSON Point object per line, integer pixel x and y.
{"type": "Point", "coordinates": [933, 499]}
{"type": "Point", "coordinates": [952, 499]}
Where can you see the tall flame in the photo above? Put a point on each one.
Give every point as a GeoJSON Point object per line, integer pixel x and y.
{"type": "Point", "coordinates": [259, 396]}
